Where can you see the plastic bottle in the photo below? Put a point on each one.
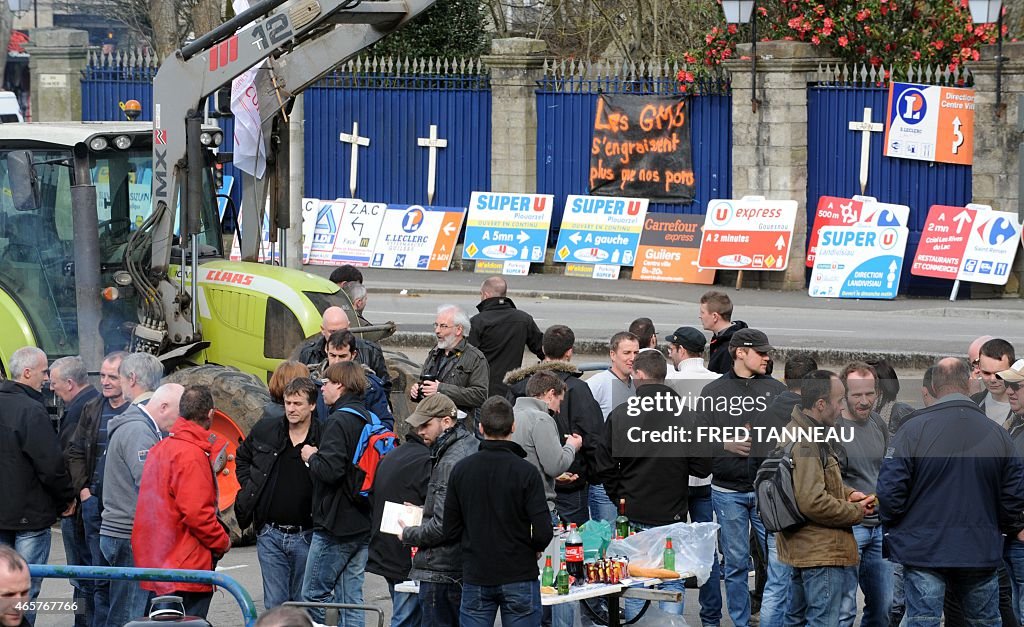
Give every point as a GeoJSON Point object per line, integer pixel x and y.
{"type": "Point", "coordinates": [574, 555]}
{"type": "Point", "coordinates": [669, 556]}
{"type": "Point", "coordinates": [547, 578]}
{"type": "Point", "coordinates": [563, 580]}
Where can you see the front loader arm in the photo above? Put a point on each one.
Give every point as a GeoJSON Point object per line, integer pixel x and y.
{"type": "Point", "coordinates": [305, 39]}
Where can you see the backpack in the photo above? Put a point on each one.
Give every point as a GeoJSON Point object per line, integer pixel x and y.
{"type": "Point", "coordinates": [776, 495]}
{"type": "Point", "coordinates": [375, 441]}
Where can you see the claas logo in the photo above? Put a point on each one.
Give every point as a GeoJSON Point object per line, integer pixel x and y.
{"type": "Point", "coordinates": [235, 278]}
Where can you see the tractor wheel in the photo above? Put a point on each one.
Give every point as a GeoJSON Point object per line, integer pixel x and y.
{"type": "Point", "coordinates": [404, 372]}
{"type": "Point", "coordinates": [241, 397]}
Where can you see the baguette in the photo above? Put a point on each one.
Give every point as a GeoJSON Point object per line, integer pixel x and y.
{"type": "Point", "coordinates": [653, 573]}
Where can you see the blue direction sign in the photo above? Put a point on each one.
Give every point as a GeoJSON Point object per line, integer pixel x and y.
{"type": "Point", "coordinates": [600, 230]}
{"type": "Point", "coordinates": [507, 227]}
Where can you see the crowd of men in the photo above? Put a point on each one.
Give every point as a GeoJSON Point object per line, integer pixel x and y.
{"type": "Point", "coordinates": [920, 510]}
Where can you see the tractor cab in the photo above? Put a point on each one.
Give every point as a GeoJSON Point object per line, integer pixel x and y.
{"type": "Point", "coordinates": [40, 165]}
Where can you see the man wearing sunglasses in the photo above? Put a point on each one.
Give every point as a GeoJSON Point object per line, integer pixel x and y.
{"type": "Point", "coordinates": [1013, 379]}
{"type": "Point", "coordinates": [995, 356]}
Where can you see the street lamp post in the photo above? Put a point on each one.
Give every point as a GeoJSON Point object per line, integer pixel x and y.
{"type": "Point", "coordinates": [741, 12]}
{"type": "Point", "coordinates": [986, 12]}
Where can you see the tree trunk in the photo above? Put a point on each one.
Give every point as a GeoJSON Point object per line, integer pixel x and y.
{"type": "Point", "coordinates": [206, 16]}
{"type": "Point", "coordinates": [165, 27]}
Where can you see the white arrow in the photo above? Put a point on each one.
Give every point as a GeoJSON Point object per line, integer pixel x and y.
{"type": "Point", "coordinates": [575, 238]}
{"type": "Point", "coordinates": [959, 141]}
{"type": "Point", "coordinates": [781, 243]}
{"type": "Point", "coordinates": [892, 266]}
{"type": "Point", "coordinates": [522, 237]}
{"type": "Point", "coordinates": [448, 228]}
{"type": "Point", "coordinates": [961, 218]}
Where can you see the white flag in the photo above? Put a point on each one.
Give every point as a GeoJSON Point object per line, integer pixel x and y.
{"type": "Point", "coordinates": [249, 147]}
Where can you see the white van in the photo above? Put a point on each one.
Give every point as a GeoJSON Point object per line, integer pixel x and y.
{"type": "Point", "coordinates": [10, 111]}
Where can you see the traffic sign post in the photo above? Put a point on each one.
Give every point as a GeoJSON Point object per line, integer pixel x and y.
{"type": "Point", "coordinates": [834, 211]}
{"type": "Point", "coordinates": [600, 230]}
{"type": "Point", "coordinates": [508, 228]}
{"type": "Point", "coordinates": [860, 261]}
{"type": "Point", "coordinates": [418, 238]}
{"type": "Point", "coordinates": [747, 234]}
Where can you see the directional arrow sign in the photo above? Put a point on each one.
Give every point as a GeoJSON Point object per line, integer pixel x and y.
{"type": "Point", "coordinates": [780, 244]}
{"type": "Point", "coordinates": [357, 225]}
{"type": "Point", "coordinates": [940, 252]}
{"type": "Point", "coordinates": [507, 227]}
{"type": "Point", "coordinates": [448, 228]}
{"type": "Point", "coordinates": [741, 234]}
{"type": "Point", "coordinates": [961, 219]}
{"type": "Point", "coordinates": [575, 238]}
{"type": "Point", "coordinates": [522, 237]}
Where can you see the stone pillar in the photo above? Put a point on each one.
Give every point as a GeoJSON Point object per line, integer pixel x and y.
{"type": "Point", "coordinates": [516, 64]}
{"type": "Point", "coordinates": [997, 141]}
{"type": "Point", "coordinates": [769, 147]}
{"type": "Point", "coordinates": [57, 57]}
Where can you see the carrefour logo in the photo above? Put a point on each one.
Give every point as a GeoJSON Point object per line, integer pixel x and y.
{"type": "Point", "coordinates": [912, 107]}
{"type": "Point", "coordinates": [413, 220]}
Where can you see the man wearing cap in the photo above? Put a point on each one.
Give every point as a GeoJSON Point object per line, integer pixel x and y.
{"type": "Point", "coordinates": [438, 562]}
{"type": "Point", "coordinates": [687, 374]}
{"type": "Point", "coordinates": [739, 398]}
{"type": "Point", "coordinates": [686, 351]}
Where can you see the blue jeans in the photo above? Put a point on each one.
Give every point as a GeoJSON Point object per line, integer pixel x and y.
{"type": "Point", "coordinates": [775, 601]}
{"type": "Point", "coordinates": [701, 510]}
{"type": "Point", "coordinates": [572, 506]}
{"type": "Point", "coordinates": [875, 576]}
{"type": "Point", "coordinates": [899, 597]}
{"type": "Point", "coordinates": [335, 574]}
{"type": "Point", "coordinates": [405, 606]}
{"type": "Point", "coordinates": [283, 564]}
{"type": "Point", "coordinates": [925, 588]}
{"type": "Point", "coordinates": [76, 553]}
{"type": "Point", "coordinates": [737, 512]}
{"type": "Point", "coordinates": [127, 600]}
{"type": "Point", "coordinates": [1013, 555]}
{"type": "Point", "coordinates": [601, 507]}
{"type": "Point", "coordinates": [91, 519]}
{"type": "Point", "coordinates": [440, 602]}
{"type": "Point", "coordinates": [34, 546]}
{"type": "Point", "coordinates": [519, 604]}
{"type": "Point", "coordinates": [819, 593]}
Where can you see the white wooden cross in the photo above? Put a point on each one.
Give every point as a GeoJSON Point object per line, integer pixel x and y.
{"type": "Point", "coordinates": [356, 142]}
{"type": "Point", "coordinates": [866, 127]}
{"type": "Point", "coordinates": [433, 143]}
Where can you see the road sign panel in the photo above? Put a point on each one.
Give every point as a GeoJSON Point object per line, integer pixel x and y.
{"type": "Point", "coordinates": [508, 227]}
{"type": "Point", "coordinates": [861, 261]}
{"type": "Point", "coordinates": [736, 232]}
{"type": "Point", "coordinates": [600, 230]}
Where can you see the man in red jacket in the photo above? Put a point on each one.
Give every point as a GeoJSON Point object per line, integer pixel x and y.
{"type": "Point", "coordinates": [176, 519]}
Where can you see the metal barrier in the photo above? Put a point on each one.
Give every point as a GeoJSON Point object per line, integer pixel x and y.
{"type": "Point", "coordinates": [154, 574]}
{"type": "Point", "coordinates": [332, 617]}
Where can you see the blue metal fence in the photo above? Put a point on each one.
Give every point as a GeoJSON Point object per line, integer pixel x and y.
{"type": "Point", "coordinates": [394, 106]}
{"type": "Point", "coordinates": [566, 106]}
{"type": "Point", "coordinates": [833, 167]}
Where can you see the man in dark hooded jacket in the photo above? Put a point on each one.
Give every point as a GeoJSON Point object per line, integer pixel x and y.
{"type": "Point", "coordinates": [716, 316]}
{"type": "Point", "coordinates": [501, 331]}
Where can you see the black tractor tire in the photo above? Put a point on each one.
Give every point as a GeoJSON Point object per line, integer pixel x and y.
{"type": "Point", "coordinates": [242, 397]}
{"type": "Point", "coordinates": [404, 372]}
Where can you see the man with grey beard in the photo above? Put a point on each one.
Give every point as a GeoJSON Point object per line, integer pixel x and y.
{"type": "Point", "coordinates": [454, 367]}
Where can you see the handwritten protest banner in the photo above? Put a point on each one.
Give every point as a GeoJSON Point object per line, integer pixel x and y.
{"type": "Point", "coordinates": [641, 148]}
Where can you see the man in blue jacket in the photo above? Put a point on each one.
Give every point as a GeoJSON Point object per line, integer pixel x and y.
{"type": "Point", "coordinates": [949, 480]}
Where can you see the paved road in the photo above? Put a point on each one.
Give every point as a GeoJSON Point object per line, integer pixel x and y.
{"type": "Point", "coordinates": [595, 309]}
